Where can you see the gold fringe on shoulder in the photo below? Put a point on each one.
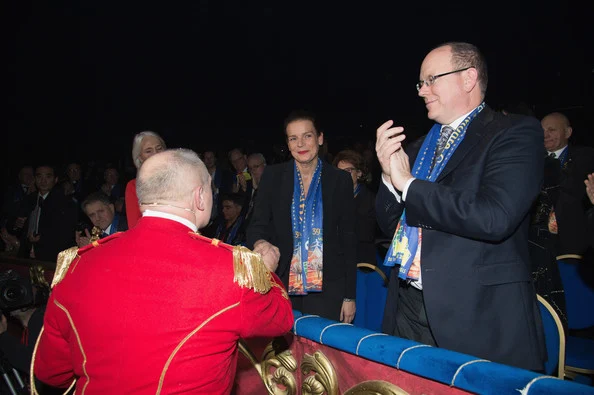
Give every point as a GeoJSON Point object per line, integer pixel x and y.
{"type": "Point", "coordinates": [65, 258]}
{"type": "Point", "coordinates": [250, 270]}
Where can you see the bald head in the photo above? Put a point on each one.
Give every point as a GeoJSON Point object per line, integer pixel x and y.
{"type": "Point", "coordinates": [175, 177]}
{"type": "Point", "coordinates": [557, 131]}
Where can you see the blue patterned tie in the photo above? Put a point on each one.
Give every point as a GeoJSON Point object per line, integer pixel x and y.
{"type": "Point", "coordinates": [444, 136]}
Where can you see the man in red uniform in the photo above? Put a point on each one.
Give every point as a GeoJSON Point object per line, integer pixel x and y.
{"type": "Point", "coordinates": [159, 309]}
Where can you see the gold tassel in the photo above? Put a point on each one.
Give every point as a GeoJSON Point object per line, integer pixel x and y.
{"type": "Point", "coordinates": [250, 270]}
{"type": "Point", "coordinates": [65, 258]}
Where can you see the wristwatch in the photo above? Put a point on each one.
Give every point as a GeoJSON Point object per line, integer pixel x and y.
{"type": "Point", "coordinates": [348, 300]}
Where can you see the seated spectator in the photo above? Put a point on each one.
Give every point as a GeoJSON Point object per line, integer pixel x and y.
{"type": "Point", "coordinates": [222, 180]}
{"type": "Point", "coordinates": [102, 214]}
{"type": "Point", "coordinates": [366, 225]}
{"type": "Point", "coordinates": [229, 228]}
{"type": "Point", "coordinates": [113, 188]}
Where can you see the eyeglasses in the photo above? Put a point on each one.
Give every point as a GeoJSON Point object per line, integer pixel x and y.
{"type": "Point", "coordinates": [431, 79]}
{"type": "Point", "coordinates": [349, 169]}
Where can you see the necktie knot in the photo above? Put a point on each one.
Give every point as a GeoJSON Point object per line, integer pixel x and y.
{"type": "Point", "coordinates": [444, 136]}
{"type": "Point", "coordinates": [553, 155]}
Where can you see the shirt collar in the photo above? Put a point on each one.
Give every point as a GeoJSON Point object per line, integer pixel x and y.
{"type": "Point", "coordinates": [173, 217]}
{"type": "Point", "coordinates": [458, 121]}
{"type": "Point", "coordinates": [558, 152]}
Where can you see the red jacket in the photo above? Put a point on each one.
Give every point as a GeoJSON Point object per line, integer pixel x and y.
{"type": "Point", "coordinates": [153, 310]}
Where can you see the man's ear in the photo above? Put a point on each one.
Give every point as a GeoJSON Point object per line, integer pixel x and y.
{"type": "Point", "coordinates": [199, 198]}
{"type": "Point", "coordinates": [470, 78]}
{"type": "Point", "coordinates": [568, 132]}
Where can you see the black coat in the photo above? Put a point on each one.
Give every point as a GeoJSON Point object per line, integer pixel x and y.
{"type": "Point", "coordinates": [477, 284]}
{"type": "Point", "coordinates": [271, 221]}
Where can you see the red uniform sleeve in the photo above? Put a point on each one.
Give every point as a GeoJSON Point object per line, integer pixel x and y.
{"type": "Point", "coordinates": [266, 315]}
{"type": "Point", "coordinates": [132, 208]}
{"type": "Point", "coordinates": [53, 361]}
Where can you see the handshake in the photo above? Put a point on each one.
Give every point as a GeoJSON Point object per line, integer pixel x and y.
{"type": "Point", "coordinates": [270, 254]}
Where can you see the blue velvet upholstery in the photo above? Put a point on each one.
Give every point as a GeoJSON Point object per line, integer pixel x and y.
{"type": "Point", "coordinates": [457, 370]}
{"type": "Point", "coordinates": [371, 299]}
{"type": "Point", "coordinates": [579, 294]}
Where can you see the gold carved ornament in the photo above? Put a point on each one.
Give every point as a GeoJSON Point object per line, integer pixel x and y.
{"type": "Point", "coordinates": [281, 381]}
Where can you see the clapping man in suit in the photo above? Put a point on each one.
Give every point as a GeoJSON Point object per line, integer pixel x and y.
{"type": "Point", "coordinates": [464, 190]}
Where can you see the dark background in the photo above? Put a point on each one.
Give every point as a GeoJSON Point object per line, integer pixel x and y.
{"type": "Point", "coordinates": [84, 77]}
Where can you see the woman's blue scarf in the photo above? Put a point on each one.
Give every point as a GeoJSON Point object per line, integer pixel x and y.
{"type": "Point", "coordinates": [307, 216]}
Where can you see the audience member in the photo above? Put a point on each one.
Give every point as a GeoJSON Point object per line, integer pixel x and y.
{"type": "Point", "coordinates": [144, 145]}
{"type": "Point", "coordinates": [48, 218]}
{"type": "Point", "coordinates": [13, 196]}
{"type": "Point", "coordinates": [238, 160]}
{"type": "Point", "coordinates": [78, 190]}
{"type": "Point", "coordinates": [179, 301]}
{"type": "Point", "coordinates": [222, 180]}
{"type": "Point", "coordinates": [102, 214]}
{"type": "Point", "coordinates": [112, 187]}
{"type": "Point", "coordinates": [467, 288]}
{"type": "Point", "coordinates": [558, 220]}
{"type": "Point", "coordinates": [256, 165]}
{"type": "Point", "coordinates": [304, 211]}
{"type": "Point", "coordinates": [365, 222]}
{"type": "Point", "coordinates": [229, 227]}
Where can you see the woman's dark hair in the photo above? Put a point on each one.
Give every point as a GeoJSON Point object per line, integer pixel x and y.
{"type": "Point", "coordinates": [302, 115]}
{"type": "Point", "coordinates": [354, 158]}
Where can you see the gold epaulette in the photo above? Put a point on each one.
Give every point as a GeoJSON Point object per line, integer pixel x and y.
{"type": "Point", "coordinates": [248, 266]}
{"type": "Point", "coordinates": [66, 257]}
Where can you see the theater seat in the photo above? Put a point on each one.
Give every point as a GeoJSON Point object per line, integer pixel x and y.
{"type": "Point", "coordinates": [372, 289]}
{"type": "Point", "coordinates": [554, 339]}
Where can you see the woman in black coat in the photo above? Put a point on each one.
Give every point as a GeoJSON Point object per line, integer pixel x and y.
{"type": "Point", "coordinates": [305, 209]}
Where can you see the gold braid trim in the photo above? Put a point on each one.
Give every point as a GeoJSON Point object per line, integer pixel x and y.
{"type": "Point", "coordinates": [65, 258]}
{"type": "Point", "coordinates": [32, 373]}
{"type": "Point", "coordinates": [250, 271]}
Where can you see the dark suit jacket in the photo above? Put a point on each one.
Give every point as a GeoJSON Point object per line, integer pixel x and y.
{"type": "Point", "coordinates": [271, 221]}
{"type": "Point", "coordinates": [475, 267]}
{"type": "Point", "coordinates": [572, 202]}
{"type": "Point", "coordinates": [57, 225]}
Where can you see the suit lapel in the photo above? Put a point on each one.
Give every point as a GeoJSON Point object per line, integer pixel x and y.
{"type": "Point", "coordinates": [474, 134]}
